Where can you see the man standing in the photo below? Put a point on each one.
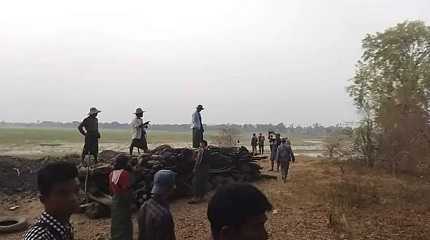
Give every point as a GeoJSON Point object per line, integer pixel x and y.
{"type": "Point", "coordinates": [119, 185]}
{"type": "Point", "coordinates": [284, 155]}
{"type": "Point", "coordinates": [261, 140]}
{"type": "Point", "coordinates": [254, 143]}
{"type": "Point", "coordinates": [139, 132]}
{"type": "Point", "coordinates": [275, 144]}
{"type": "Point", "coordinates": [154, 217]}
{"type": "Point", "coordinates": [58, 186]}
{"type": "Point", "coordinates": [89, 128]}
{"type": "Point", "coordinates": [238, 212]}
{"type": "Point", "coordinates": [201, 174]}
{"type": "Point", "coordinates": [197, 126]}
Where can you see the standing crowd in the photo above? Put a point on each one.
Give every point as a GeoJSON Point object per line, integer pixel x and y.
{"type": "Point", "coordinates": [281, 152]}
{"type": "Point", "coordinates": [235, 211]}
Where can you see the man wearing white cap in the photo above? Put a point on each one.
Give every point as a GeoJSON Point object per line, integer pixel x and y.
{"type": "Point", "coordinates": [139, 132]}
{"type": "Point", "coordinates": [154, 217]}
{"type": "Point", "coordinates": [89, 127]}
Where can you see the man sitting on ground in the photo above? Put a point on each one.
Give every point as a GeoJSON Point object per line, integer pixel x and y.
{"type": "Point", "coordinates": [238, 212]}
{"type": "Point", "coordinates": [59, 193]}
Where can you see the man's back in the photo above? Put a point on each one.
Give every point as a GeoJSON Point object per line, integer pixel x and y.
{"type": "Point", "coordinates": [284, 152]}
{"type": "Point", "coordinates": [155, 221]}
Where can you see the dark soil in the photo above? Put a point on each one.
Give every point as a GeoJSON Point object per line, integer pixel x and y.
{"type": "Point", "coordinates": [18, 175]}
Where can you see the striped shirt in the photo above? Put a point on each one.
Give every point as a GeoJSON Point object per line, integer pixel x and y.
{"type": "Point", "coordinates": [155, 221]}
{"type": "Point", "coordinates": [49, 228]}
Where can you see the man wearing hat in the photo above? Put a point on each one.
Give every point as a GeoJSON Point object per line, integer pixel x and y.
{"type": "Point", "coordinates": [139, 132]}
{"type": "Point", "coordinates": [197, 126]}
{"type": "Point", "coordinates": [89, 128]}
{"type": "Point", "coordinates": [154, 217]}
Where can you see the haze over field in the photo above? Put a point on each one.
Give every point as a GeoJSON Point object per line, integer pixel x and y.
{"type": "Point", "coordinates": [246, 61]}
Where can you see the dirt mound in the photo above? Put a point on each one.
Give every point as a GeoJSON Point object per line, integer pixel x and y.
{"type": "Point", "coordinates": [18, 175]}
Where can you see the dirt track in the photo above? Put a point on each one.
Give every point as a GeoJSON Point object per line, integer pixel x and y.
{"type": "Point", "coordinates": [301, 212]}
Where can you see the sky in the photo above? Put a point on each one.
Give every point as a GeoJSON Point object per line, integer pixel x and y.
{"type": "Point", "coordinates": [246, 61]}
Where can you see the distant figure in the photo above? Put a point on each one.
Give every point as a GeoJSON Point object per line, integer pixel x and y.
{"type": "Point", "coordinates": [254, 143]}
{"type": "Point", "coordinates": [119, 184]}
{"type": "Point", "coordinates": [197, 126]}
{"type": "Point", "coordinates": [201, 174]}
{"type": "Point", "coordinates": [271, 140]}
{"type": "Point", "coordinates": [261, 140]}
{"type": "Point", "coordinates": [139, 132]}
{"type": "Point", "coordinates": [154, 217]}
{"type": "Point", "coordinates": [238, 212]}
{"type": "Point", "coordinates": [89, 127]}
{"type": "Point", "coordinates": [284, 155]}
{"type": "Point", "coordinates": [275, 144]}
{"type": "Point", "coordinates": [58, 186]}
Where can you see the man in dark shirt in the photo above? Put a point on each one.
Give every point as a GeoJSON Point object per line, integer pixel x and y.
{"type": "Point", "coordinates": [59, 193]}
{"type": "Point", "coordinates": [201, 173]}
{"type": "Point", "coordinates": [154, 217]}
{"type": "Point", "coordinates": [261, 140]}
{"type": "Point", "coordinates": [254, 143]}
{"type": "Point", "coordinates": [89, 127]}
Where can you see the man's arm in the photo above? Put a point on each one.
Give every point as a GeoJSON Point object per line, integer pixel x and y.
{"type": "Point", "coordinates": [194, 119]}
{"type": "Point", "coordinates": [81, 128]}
{"type": "Point", "coordinates": [293, 158]}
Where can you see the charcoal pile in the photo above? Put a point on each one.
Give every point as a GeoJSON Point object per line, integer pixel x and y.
{"type": "Point", "coordinates": [227, 165]}
{"type": "Point", "coordinates": [18, 175]}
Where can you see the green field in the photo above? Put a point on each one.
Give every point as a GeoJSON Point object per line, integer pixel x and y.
{"type": "Point", "coordinates": [37, 142]}
{"type": "Point", "coordinates": [31, 136]}
{"type": "Point", "coordinates": [36, 136]}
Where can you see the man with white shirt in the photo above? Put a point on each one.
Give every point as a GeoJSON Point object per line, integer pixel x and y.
{"type": "Point", "coordinates": [139, 132]}
{"type": "Point", "coordinates": [197, 126]}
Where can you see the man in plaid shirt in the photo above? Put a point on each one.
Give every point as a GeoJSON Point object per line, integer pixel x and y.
{"type": "Point", "coordinates": [59, 189]}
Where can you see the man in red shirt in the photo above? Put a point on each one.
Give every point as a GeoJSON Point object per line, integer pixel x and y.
{"type": "Point", "coordinates": [119, 183]}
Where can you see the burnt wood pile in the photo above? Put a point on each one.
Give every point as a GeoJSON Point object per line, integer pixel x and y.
{"type": "Point", "coordinates": [227, 165]}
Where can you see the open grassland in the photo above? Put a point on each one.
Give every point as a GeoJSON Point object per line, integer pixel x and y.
{"type": "Point", "coordinates": [40, 142]}
{"type": "Point", "coordinates": [64, 136]}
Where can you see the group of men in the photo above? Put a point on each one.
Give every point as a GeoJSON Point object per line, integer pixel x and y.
{"type": "Point", "coordinates": [89, 128]}
{"type": "Point", "coordinates": [280, 151]}
{"type": "Point", "coordinates": [235, 212]}
{"type": "Point", "coordinates": [257, 141]}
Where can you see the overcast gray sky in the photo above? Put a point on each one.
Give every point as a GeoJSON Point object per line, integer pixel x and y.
{"type": "Point", "coordinates": [245, 61]}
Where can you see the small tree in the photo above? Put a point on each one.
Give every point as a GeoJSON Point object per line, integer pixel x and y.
{"type": "Point", "coordinates": [391, 88]}
{"type": "Point", "coordinates": [227, 136]}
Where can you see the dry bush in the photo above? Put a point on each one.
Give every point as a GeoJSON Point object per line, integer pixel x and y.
{"type": "Point", "coordinates": [349, 193]}
{"type": "Point", "coordinates": [353, 192]}
{"type": "Point", "coordinates": [227, 137]}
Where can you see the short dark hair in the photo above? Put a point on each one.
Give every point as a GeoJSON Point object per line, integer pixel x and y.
{"type": "Point", "coordinates": [55, 173]}
{"type": "Point", "coordinates": [232, 204]}
{"type": "Point", "coordinates": [205, 142]}
{"type": "Point", "coordinates": [120, 162]}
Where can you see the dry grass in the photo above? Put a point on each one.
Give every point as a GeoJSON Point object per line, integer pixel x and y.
{"type": "Point", "coordinates": [371, 204]}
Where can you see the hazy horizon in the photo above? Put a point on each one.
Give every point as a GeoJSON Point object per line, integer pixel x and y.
{"type": "Point", "coordinates": [245, 61]}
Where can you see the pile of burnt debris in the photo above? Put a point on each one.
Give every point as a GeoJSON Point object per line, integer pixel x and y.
{"type": "Point", "coordinates": [227, 165]}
